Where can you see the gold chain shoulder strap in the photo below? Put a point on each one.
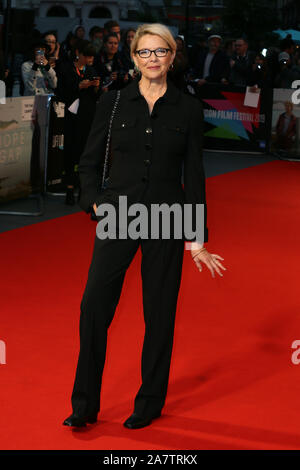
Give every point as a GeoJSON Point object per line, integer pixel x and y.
{"type": "Point", "coordinates": [108, 138]}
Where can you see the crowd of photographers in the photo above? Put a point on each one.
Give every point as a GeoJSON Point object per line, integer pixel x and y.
{"type": "Point", "coordinates": [104, 62]}
{"type": "Point", "coordinates": [78, 71]}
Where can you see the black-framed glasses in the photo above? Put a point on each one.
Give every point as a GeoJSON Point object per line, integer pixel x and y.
{"type": "Point", "coordinates": [160, 52]}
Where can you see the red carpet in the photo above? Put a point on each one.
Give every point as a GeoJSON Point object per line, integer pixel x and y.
{"type": "Point", "coordinates": [232, 382]}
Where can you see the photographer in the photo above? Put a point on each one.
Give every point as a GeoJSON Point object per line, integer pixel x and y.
{"type": "Point", "coordinates": [125, 51]}
{"type": "Point", "coordinates": [109, 65]}
{"type": "Point", "coordinates": [38, 76]}
{"type": "Point", "coordinates": [261, 76]}
{"type": "Point", "coordinates": [241, 63]}
{"type": "Point", "coordinates": [51, 39]}
{"type": "Point", "coordinates": [77, 80]}
{"type": "Point", "coordinates": [212, 65]}
{"type": "Point", "coordinates": [288, 72]}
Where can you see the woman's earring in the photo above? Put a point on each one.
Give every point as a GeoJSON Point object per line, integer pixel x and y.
{"type": "Point", "coordinates": [171, 66]}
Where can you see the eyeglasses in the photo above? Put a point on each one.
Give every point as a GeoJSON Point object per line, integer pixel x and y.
{"type": "Point", "coordinates": [160, 52]}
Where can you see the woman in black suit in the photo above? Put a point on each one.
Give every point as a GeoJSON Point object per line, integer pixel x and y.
{"type": "Point", "coordinates": [156, 128]}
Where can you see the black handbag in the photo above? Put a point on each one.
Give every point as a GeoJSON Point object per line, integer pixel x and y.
{"type": "Point", "coordinates": [105, 178]}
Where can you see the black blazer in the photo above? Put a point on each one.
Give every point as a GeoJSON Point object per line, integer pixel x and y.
{"type": "Point", "coordinates": [148, 151]}
{"type": "Point", "coordinates": [219, 67]}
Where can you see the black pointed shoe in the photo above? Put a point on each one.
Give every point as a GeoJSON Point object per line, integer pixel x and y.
{"type": "Point", "coordinates": [80, 421]}
{"type": "Point", "coordinates": [135, 421]}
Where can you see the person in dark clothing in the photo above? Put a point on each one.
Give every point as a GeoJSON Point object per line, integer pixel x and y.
{"type": "Point", "coordinates": [177, 73]}
{"type": "Point", "coordinates": [78, 31]}
{"type": "Point", "coordinates": [96, 37]}
{"type": "Point", "coordinates": [200, 46]}
{"type": "Point", "coordinates": [125, 51]}
{"type": "Point", "coordinates": [66, 48]}
{"type": "Point", "coordinates": [109, 65]}
{"type": "Point", "coordinates": [288, 45]}
{"type": "Point", "coordinates": [229, 47]}
{"type": "Point", "coordinates": [112, 26]}
{"type": "Point", "coordinates": [288, 72]}
{"type": "Point", "coordinates": [241, 64]}
{"type": "Point", "coordinates": [212, 66]}
{"type": "Point", "coordinates": [155, 129]}
{"type": "Point", "coordinates": [261, 75]}
{"type": "Point", "coordinates": [77, 80]}
{"type": "Point", "coordinates": [50, 38]}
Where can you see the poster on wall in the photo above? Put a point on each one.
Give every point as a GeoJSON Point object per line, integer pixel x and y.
{"type": "Point", "coordinates": [15, 148]}
{"type": "Point", "coordinates": [285, 141]}
{"type": "Point", "coordinates": [230, 125]}
{"type": "Point", "coordinates": [23, 130]}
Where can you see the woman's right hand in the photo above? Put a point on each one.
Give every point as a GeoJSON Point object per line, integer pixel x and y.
{"type": "Point", "coordinates": [211, 260]}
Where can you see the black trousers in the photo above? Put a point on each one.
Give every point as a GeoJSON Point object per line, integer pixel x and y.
{"type": "Point", "coordinates": [161, 270]}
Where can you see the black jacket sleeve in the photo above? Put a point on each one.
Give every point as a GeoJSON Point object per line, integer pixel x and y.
{"type": "Point", "coordinates": [194, 176]}
{"type": "Point", "coordinates": [91, 162]}
{"type": "Point", "coordinates": [67, 84]}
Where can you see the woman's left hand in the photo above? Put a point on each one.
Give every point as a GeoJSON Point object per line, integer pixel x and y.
{"type": "Point", "coordinates": [211, 261]}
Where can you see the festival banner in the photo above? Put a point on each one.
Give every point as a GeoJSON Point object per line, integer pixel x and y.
{"type": "Point", "coordinates": [229, 125]}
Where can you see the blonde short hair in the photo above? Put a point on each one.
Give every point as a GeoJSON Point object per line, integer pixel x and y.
{"type": "Point", "coordinates": [156, 29]}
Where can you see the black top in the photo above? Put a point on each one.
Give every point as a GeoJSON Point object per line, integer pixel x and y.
{"type": "Point", "coordinates": [148, 151]}
{"type": "Point", "coordinates": [126, 57]}
{"type": "Point", "coordinates": [241, 72]}
{"type": "Point", "coordinates": [105, 67]}
{"type": "Point", "coordinates": [219, 67]}
{"type": "Point", "coordinates": [68, 84]}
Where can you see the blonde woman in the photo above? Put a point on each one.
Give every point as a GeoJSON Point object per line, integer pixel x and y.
{"type": "Point", "coordinates": [156, 129]}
